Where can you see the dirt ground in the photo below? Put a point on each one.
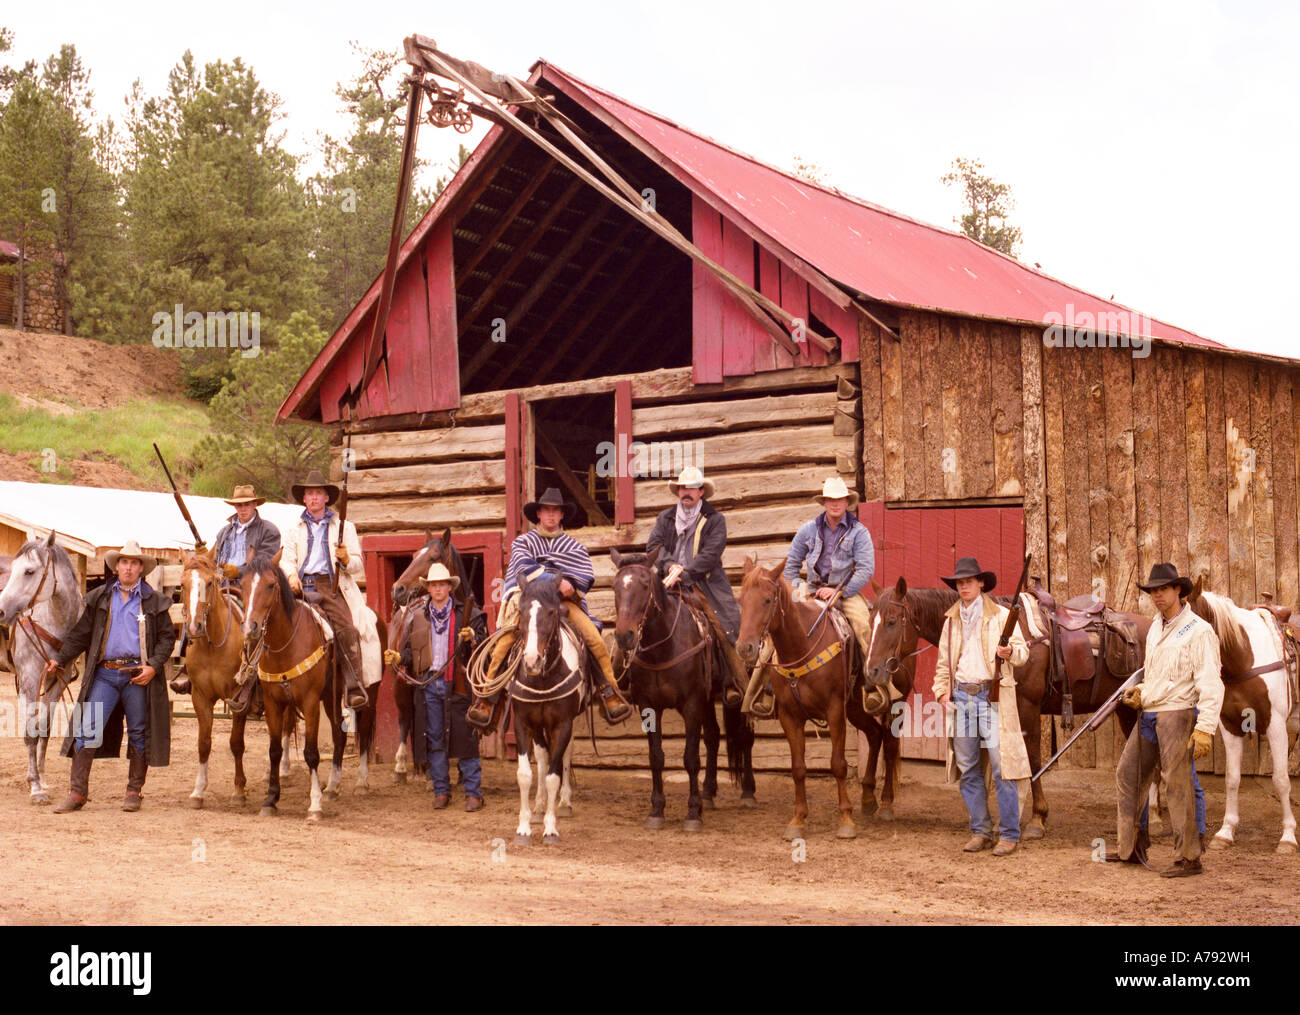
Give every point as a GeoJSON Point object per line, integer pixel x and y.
{"type": "Point", "coordinates": [47, 370]}
{"type": "Point", "coordinates": [387, 857]}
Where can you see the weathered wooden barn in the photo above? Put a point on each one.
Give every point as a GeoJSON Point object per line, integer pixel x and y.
{"type": "Point", "coordinates": [539, 336]}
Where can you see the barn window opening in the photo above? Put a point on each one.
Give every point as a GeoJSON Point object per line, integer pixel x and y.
{"type": "Point", "coordinates": [572, 438]}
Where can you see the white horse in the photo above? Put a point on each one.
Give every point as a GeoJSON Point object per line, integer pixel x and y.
{"type": "Point", "coordinates": [1256, 699]}
{"type": "Point", "coordinates": [40, 603]}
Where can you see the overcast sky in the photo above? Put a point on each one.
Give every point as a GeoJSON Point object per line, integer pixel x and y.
{"type": "Point", "coordinates": [1151, 147]}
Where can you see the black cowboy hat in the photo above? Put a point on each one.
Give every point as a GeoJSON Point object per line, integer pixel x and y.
{"type": "Point", "coordinates": [314, 478]}
{"type": "Point", "coordinates": [1166, 574]}
{"type": "Point", "coordinates": [551, 498]}
{"type": "Point", "coordinates": [969, 567]}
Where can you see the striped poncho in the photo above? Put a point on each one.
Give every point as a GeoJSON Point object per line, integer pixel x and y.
{"type": "Point", "coordinates": [533, 553]}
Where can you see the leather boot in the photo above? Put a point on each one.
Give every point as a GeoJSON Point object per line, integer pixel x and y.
{"type": "Point", "coordinates": [612, 702]}
{"type": "Point", "coordinates": [180, 683]}
{"type": "Point", "coordinates": [78, 783]}
{"type": "Point", "coordinates": [137, 769]}
{"type": "Point", "coordinates": [485, 713]}
{"type": "Point", "coordinates": [356, 694]}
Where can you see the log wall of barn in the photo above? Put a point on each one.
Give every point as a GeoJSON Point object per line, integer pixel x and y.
{"type": "Point", "coordinates": [1185, 455]}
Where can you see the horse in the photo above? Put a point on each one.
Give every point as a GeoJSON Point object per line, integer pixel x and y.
{"type": "Point", "coordinates": [409, 586]}
{"type": "Point", "coordinates": [216, 644]}
{"type": "Point", "coordinates": [669, 665]}
{"type": "Point", "coordinates": [295, 666]}
{"type": "Point", "coordinates": [548, 692]}
{"type": "Point", "coordinates": [825, 692]}
{"type": "Point", "coordinates": [1255, 700]}
{"type": "Point", "coordinates": [905, 615]}
{"type": "Point", "coordinates": [42, 601]}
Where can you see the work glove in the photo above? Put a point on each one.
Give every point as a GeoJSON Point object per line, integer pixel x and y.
{"type": "Point", "coordinates": [674, 576]}
{"type": "Point", "coordinates": [800, 593]}
{"type": "Point", "coordinates": [230, 571]}
{"type": "Point", "coordinates": [392, 657]}
{"type": "Point", "coordinates": [1133, 698]}
{"type": "Point", "coordinates": [1200, 744]}
{"type": "Point", "coordinates": [341, 555]}
{"type": "Point", "coordinates": [466, 634]}
{"type": "Point", "coordinates": [295, 586]}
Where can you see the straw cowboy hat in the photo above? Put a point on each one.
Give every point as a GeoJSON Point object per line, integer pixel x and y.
{"type": "Point", "coordinates": [1166, 574]}
{"type": "Point", "coordinates": [131, 549]}
{"type": "Point", "coordinates": [314, 478]}
{"type": "Point", "coordinates": [834, 487]}
{"type": "Point", "coordinates": [551, 498]}
{"type": "Point", "coordinates": [439, 573]}
{"type": "Point", "coordinates": [245, 495]}
{"type": "Point", "coordinates": [968, 567]}
{"type": "Point", "coordinates": [692, 477]}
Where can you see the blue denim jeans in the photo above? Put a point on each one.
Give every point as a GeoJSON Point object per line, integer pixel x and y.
{"type": "Point", "coordinates": [977, 727]}
{"type": "Point", "coordinates": [108, 687]}
{"type": "Point", "coordinates": [1149, 733]}
{"type": "Point", "coordinates": [437, 717]}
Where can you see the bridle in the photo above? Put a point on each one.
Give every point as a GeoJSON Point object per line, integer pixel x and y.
{"type": "Point", "coordinates": [893, 663]}
{"type": "Point", "coordinates": [638, 648]}
{"type": "Point", "coordinates": [203, 599]}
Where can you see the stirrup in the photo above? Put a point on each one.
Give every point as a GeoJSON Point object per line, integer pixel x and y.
{"type": "Point", "coordinates": [611, 702]}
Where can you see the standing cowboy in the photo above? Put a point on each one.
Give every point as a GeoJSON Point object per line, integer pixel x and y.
{"type": "Point", "coordinates": [1182, 685]}
{"type": "Point", "coordinates": [435, 654]}
{"type": "Point", "coordinates": [982, 707]}
{"type": "Point", "coordinates": [311, 551]}
{"type": "Point", "coordinates": [693, 535]}
{"type": "Point", "coordinates": [245, 535]}
{"type": "Point", "coordinates": [127, 635]}
{"type": "Point", "coordinates": [548, 549]}
{"type": "Point", "coordinates": [831, 546]}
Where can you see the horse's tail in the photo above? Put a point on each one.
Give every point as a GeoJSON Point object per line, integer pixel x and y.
{"type": "Point", "coordinates": [740, 742]}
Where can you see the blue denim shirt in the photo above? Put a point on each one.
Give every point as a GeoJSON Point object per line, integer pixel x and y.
{"type": "Point", "coordinates": [123, 638]}
{"type": "Point", "coordinates": [855, 553]}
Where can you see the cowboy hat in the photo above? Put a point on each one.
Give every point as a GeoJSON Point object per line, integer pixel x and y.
{"type": "Point", "coordinates": [439, 573]}
{"type": "Point", "coordinates": [1166, 574]}
{"type": "Point", "coordinates": [245, 495]}
{"type": "Point", "coordinates": [551, 498]}
{"type": "Point", "coordinates": [314, 478]}
{"type": "Point", "coordinates": [969, 567]}
{"type": "Point", "coordinates": [692, 477]}
{"type": "Point", "coordinates": [834, 487]}
{"type": "Point", "coordinates": [131, 549]}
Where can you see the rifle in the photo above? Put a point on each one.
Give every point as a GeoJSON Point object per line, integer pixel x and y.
{"type": "Point", "coordinates": [839, 591]}
{"type": "Point", "coordinates": [198, 540]}
{"type": "Point", "coordinates": [1008, 629]}
{"type": "Point", "coordinates": [1100, 716]}
{"type": "Point", "coordinates": [343, 506]}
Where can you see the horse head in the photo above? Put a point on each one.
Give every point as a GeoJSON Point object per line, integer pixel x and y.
{"type": "Point", "coordinates": [539, 619]}
{"type": "Point", "coordinates": [199, 587]}
{"type": "Point", "coordinates": [894, 633]}
{"type": "Point", "coordinates": [764, 599]}
{"type": "Point", "coordinates": [266, 592]}
{"type": "Point", "coordinates": [33, 578]}
{"type": "Point", "coordinates": [636, 586]}
{"type": "Point", "coordinates": [436, 548]}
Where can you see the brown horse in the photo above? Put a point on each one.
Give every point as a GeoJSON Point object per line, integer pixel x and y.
{"type": "Point", "coordinates": [216, 643]}
{"type": "Point", "coordinates": [669, 665]}
{"type": "Point", "coordinates": [906, 615]}
{"type": "Point", "coordinates": [295, 666]}
{"type": "Point", "coordinates": [822, 693]}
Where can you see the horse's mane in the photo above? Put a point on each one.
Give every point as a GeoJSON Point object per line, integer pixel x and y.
{"type": "Point", "coordinates": [1236, 655]}
{"type": "Point", "coordinates": [261, 564]}
{"type": "Point", "coordinates": [657, 590]}
{"type": "Point", "coordinates": [930, 605]}
{"type": "Point", "coordinates": [62, 562]}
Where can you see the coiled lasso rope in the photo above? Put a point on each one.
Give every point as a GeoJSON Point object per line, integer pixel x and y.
{"type": "Point", "coordinates": [476, 672]}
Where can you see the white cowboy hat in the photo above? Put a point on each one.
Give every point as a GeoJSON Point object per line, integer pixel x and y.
{"type": "Point", "coordinates": [439, 573]}
{"type": "Point", "coordinates": [691, 476]}
{"type": "Point", "coordinates": [834, 487]}
{"type": "Point", "coordinates": [131, 549]}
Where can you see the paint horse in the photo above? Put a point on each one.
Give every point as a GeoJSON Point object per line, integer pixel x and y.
{"type": "Point", "coordinates": [670, 664]}
{"type": "Point", "coordinates": [814, 679]}
{"type": "Point", "coordinates": [1256, 699]}
{"type": "Point", "coordinates": [409, 587]}
{"type": "Point", "coordinates": [548, 691]}
{"type": "Point", "coordinates": [41, 602]}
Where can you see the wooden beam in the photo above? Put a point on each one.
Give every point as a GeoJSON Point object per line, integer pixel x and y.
{"type": "Point", "coordinates": [557, 262]}
{"type": "Point", "coordinates": [506, 219]}
{"type": "Point", "coordinates": [616, 329]}
{"type": "Point", "coordinates": [464, 200]}
{"type": "Point", "coordinates": [595, 516]}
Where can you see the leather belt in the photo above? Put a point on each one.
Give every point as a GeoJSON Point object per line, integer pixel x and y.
{"type": "Point", "coordinates": [973, 688]}
{"type": "Point", "coordinates": [120, 664]}
{"type": "Point", "coordinates": [312, 579]}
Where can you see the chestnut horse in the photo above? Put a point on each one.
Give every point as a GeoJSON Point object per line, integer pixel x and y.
{"type": "Point", "coordinates": [823, 693]}
{"type": "Point", "coordinates": [905, 615]}
{"type": "Point", "coordinates": [295, 666]}
{"type": "Point", "coordinates": [669, 665]}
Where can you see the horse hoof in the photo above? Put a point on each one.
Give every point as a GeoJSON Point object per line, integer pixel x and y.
{"type": "Point", "coordinates": [1034, 831]}
{"type": "Point", "coordinates": [1218, 843]}
{"type": "Point", "coordinates": [710, 804]}
{"type": "Point", "coordinates": [361, 789]}
{"type": "Point", "coordinates": [42, 800]}
{"type": "Point", "coordinates": [869, 806]}
{"type": "Point", "coordinates": [849, 831]}
{"type": "Point", "coordinates": [1286, 847]}
{"type": "Point", "coordinates": [564, 811]}
{"type": "Point", "coordinates": [196, 802]}
{"type": "Point", "coordinates": [331, 794]}
{"type": "Point", "coordinates": [523, 840]}
{"type": "Point", "coordinates": [268, 811]}
{"type": "Point", "coordinates": [692, 825]}
{"type": "Point", "coordinates": [399, 778]}
{"type": "Point", "coordinates": [885, 814]}
{"type": "Point", "coordinates": [238, 800]}
{"type": "Point", "coordinates": [654, 824]}
{"type": "Point", "coordinates": [314, 816]}
{"type": "Point", "coordinates": [748, 802]}
{"type": "Point", "coordinates": [793, 832]}
{"type": "Point", "coordinates": [551, 840]}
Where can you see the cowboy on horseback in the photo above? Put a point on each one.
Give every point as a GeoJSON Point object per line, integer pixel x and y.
{"type": "Point", "coordinates": [692, 536]}
{"type": "Point", "coordinates": [245, 534]}
{"type": "Point", "coordinates": [830, 548]}
{"type": "Point", "coordinates": [126, 632]}
{"type": "Point", "coordinates": [548, 549]}
{"type": "Point", "coordinates": [312, 553]}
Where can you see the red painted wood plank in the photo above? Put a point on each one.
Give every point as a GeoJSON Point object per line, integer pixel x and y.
{"type": "Point", "coordinates": [843, 322]}
{"type": "Point", "coordinates": [767, 354]}
{"type": "Point", "coordinates": [707, 297]}
{"type": "Point", "coordinates": [912, 565]}
{"type": "Point", "coordinates": [740, 332]}
{"type": "Point", "coordinates": [794, 301]}
{"type": "Point", "coordinates": [407, 338]}
{"type": "Point", "coordinates": [514, 466]}
{"type": "Point", "coordinates": [444, 351]}
{"type": "Point", "coordinates": [624, 485]}
{"type": "Point", "coordinates": [945, 545]}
